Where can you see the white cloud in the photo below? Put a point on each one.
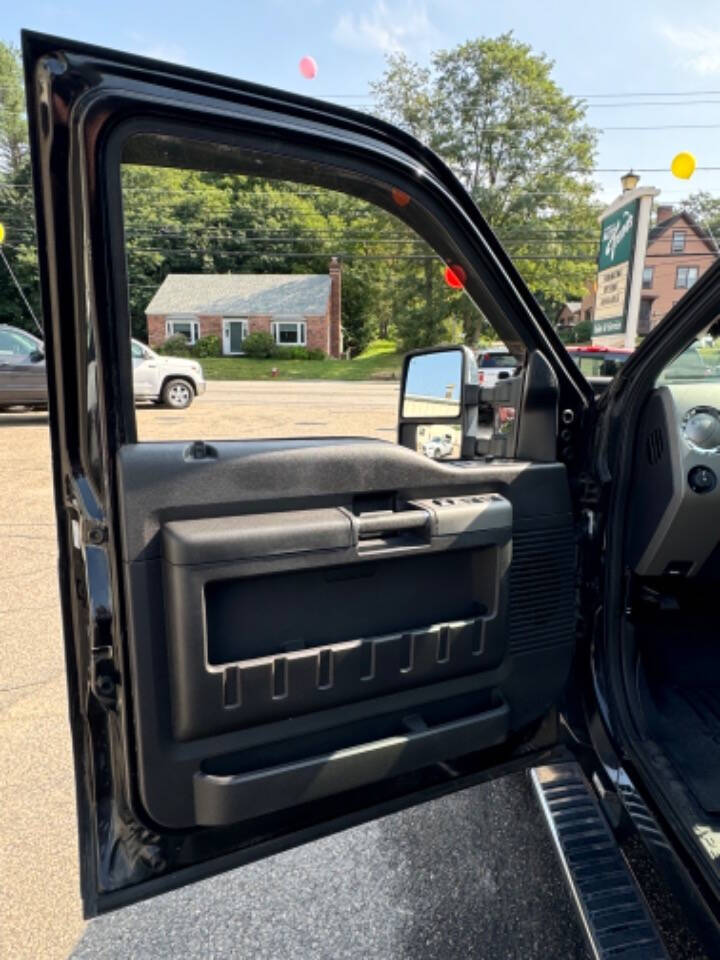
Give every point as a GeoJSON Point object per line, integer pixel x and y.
{"type": "Point", "coordinates": [384, 28]}
{"type": "Point", "coordinates": [698, 48]}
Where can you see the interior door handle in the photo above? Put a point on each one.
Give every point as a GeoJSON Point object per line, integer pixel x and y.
{"type": "Point", "coordinates": [374, 523]}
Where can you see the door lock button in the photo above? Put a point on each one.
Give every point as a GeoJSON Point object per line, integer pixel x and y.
{"type": "Point", "coordinates": [702, 479]}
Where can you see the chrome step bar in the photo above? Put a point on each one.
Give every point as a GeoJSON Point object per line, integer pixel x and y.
{"type": "Point", "coordinates": [613, 912]}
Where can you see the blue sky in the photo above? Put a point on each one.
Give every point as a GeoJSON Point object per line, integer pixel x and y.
{"type": "Point", "coordinates": [599, 48]}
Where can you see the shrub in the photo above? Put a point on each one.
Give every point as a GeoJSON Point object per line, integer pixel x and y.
{"type": "Point", "coordinates": [292, 353]}
{"type": "Point", "coordinates": [209, 346]}
{"type": "Point", "coordinates": [176, 346]}
{"type": "Point", "coordinates": [260, 344]}
{"type": "Point", "coordinates": [300, 353]}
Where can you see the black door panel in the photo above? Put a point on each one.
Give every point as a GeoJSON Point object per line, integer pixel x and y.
{"type": "Point", "coordinates": [266, 618]}
{"type": "Point", "coordinates": [268, 640]}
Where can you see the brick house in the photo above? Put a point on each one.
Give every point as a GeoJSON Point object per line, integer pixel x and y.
{"type": "Point", "coordinates": [679, 252]}
{"type": "Point", "coordinates": [296, 309]}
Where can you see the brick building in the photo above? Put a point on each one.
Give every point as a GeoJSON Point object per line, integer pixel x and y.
{"type": "Point", "coordinates": [296, 309]}
{"type": "Point", "coordinates": [679, 251]}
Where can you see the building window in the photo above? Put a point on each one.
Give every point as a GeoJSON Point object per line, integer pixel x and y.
{"type": "Point", "coordinates": [588, 315]}
{"type": "Point", "coordinates": [645, 316]}
{"type": "Point", "coordinates": [685, 277]}
{"type": "Point", "coordinates": [289, 333]}
{"type": "Point", "coordinates": [648, 277]}
{"type": "Point", "coordinates": [182, 327]}
{"type": "Point", "coordinates": [677, 245]}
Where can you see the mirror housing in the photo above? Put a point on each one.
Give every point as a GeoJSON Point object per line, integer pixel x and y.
{"type": "Point", "coordinates": [438, 414]}
{"type": "Point", "coordinates": [36, 356]}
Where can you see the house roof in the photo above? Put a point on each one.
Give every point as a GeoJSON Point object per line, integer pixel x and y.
{"type": "Point", "coordinates": [572, 305]}
{"type": "Point", "coordinates": [704, 235]}
{"type": "Point", "coordinates": [242, 294]}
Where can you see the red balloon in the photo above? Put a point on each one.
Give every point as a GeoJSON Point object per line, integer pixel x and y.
{"type": "Point", "coordinates": [455, 276]}
{"type": "Point", "coordinates": [400, 197]}
{"type": "Point", "coordinates": [308, 67]}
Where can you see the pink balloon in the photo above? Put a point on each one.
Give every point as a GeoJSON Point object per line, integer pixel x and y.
{"type": "Point", "coordinates": [308, 68]}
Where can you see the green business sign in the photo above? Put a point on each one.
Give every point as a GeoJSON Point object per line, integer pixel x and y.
{"type": "Point", "coordinates": [617, 236]}
{"type": "Point", "coordinates": [617, 243]}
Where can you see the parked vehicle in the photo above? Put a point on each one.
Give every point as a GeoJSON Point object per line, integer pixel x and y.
{"type": "Point", "coordinates": [173, 381]}
{"type": "Point", "coordinates": [277, 639]}
{"type": "Point", "coordinates": [439, 447]}
{"type": "Point", "coordinates": [495, 363]}
{"type": "Point", "coordinates": [599, 361]}
{"type": "Point", "coordinates": [600, 364]}
{"type": "Point", "coordinates": [22, 369]}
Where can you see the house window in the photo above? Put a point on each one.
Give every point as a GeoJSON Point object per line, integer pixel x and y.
{"type": "Point", "coordinates": [648, 277]}
{"type": "Point", "coordinates": [677, 244]}
{"type": "Point", "coordinates": [588, 315]}
{"type": "Point", "coordinates": [182, 327]}
{"type": "Point", "coordinates": [289, 333]}
{"type": "Point", "coordinates": [685, 277]}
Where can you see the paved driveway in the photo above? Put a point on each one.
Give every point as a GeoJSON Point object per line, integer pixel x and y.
{"type": "Point", "coordinates": [469, 875]}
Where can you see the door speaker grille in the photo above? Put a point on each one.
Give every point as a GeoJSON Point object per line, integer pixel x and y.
{"type": "Point", "coordinates": [655, 445]}
{"type": "Point", "coordinates": [542, 588]}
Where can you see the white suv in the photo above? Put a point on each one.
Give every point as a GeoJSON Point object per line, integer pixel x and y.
{"type": "Point", "coordinates": [173, 381]}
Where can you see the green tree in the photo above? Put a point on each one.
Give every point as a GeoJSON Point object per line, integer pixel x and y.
{"type": "Point", "coordinates": [705, 208]}
{"type": "Point", "coordinates": [16, 198]}
{"type": "Point", "coordinates": [521, 147]}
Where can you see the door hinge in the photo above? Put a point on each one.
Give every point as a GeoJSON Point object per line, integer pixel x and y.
{"type": "Point", "coordinates": [104, 678]}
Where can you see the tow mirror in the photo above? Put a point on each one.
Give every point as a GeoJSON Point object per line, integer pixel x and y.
{"type": "Point", "coordinates": [439, 403]}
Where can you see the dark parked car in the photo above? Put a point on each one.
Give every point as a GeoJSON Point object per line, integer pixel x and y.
{"type": "Point", "coordinates": [269, 640]}
{"type": "Point", "coordinates": [22, 369]}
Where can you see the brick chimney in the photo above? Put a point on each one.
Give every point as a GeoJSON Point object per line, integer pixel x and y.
{"type": "Point", "coordinates": [664, 212]}
{"type": "Point", "coordinates": [335, 312]}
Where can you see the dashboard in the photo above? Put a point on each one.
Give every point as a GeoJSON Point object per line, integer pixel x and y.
{"type": "Point", "coordinates": [674, 521]}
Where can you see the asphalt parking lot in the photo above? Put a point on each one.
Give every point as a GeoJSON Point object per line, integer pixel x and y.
{"type": "Point", "coordinates": [472, 874]}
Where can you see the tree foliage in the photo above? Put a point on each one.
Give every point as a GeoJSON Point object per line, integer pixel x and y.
{"type": "Point", "coordinates": [705, 208]}
{"type": "Point", "coordinates": [16, 200]}
{"type": "Point", "coordinates": [521, 147]}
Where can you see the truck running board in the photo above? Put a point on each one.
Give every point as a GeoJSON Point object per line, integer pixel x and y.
{"type": "Point", "coordinates": [613, 911]}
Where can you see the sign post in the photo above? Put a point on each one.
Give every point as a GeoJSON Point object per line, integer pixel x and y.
{"type": "Point", "coordinates": [623, 244]}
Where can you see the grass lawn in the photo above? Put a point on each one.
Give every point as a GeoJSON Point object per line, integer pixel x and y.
{"type": "Point", "coordinates": [380, 361]}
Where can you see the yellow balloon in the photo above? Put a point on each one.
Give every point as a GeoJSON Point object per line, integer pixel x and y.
{"type": "Point", "coordinates": [683, 165]}
{"type": "Point", "coordinates": [2, 233]}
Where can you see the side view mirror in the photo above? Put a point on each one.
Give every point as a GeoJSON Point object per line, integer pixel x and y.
{"type": "Point", "coordinates": [36, 356]}
{"type": "Point", "coordinates": [439, 402]}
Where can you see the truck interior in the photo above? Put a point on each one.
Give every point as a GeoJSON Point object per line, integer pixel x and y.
{"type": "Point", "coordinates": [669, 658]}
